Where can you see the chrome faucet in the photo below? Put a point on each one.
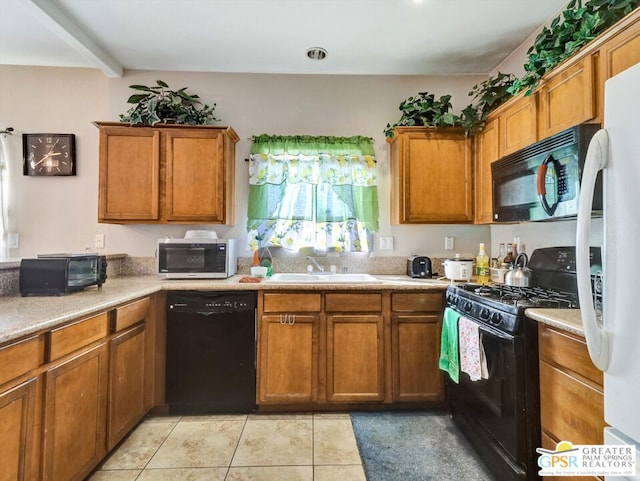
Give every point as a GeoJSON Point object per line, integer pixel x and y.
{"type": "Point", "coordinates": [315, 263]}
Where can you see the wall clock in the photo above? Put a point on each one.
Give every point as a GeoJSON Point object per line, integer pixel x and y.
{"type": "Point", "coordinates": [49, 154]}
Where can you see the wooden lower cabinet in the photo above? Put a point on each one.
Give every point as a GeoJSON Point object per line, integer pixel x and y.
{"type": "Point", "coordinates": [126, 382]}
{"type": "Point", "coordinates": [130, 368]}
{"type": "Point", "coordinates": [571, 392]}
{"type": "Point", "coordinates": [288, 342]}
{"type": "Point", "coordinates": [344, 348]}
{"type": "Point", "coordinates": [355, 358]}
{"type": "Point", "coordinates": [17, 412]}
{"type": "Point", "coordinates": [75, 415]}
{"type": "Point", "coordinates": [288, 358]}
{"type": "Point", "coordinates": [416, 323]}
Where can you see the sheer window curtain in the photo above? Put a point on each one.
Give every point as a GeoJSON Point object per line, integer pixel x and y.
{"type": "Point", "coordinates": [4, 180]}
{"type": "Point", "coordinates": [318, 192]}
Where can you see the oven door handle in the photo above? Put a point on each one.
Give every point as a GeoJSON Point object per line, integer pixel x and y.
{"type": "Point", "coordinates": [494, 332]}
{"type": "Point", "coordinates": [488, 329]}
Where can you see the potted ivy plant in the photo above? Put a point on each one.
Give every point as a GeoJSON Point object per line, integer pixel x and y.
{"type": "Point", "coordinates": [160, 104]}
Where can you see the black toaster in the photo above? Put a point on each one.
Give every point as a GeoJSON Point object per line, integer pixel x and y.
{"type": "Point", "coordinates": [419, 266]}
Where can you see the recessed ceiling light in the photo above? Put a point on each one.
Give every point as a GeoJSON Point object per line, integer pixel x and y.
{"type": "Point", "coordinates": [316, 53]}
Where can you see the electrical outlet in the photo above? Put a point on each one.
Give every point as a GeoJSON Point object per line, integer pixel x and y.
{"type": "Point", "coordinates": [386, 243]}
{"type": "Point", "coordinates": [448, 243]}
{"type": "Point", "coordinates": [99, 242]}
{"type": "Point", "coordinates": [13, 240]}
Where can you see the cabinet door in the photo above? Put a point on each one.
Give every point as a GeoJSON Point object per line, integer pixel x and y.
{"type": "Point", "coordinates": [129, 174]}
{"type": "Point", "coordinates": [288, 369]}
{"type": "Point", "coordinates": [567, 98]}
{"type": "Point", "coordinates": [75, 415]}
{"type": "Point", "coordinates": [517, 125]}
{"type": "Point", "coordinates": [195, 189]}
{"type": "Point", "coordinates": [127, 382]}
{"type": "Point", "coordinates": [16, 431]}
{"type": "Point", "coordinates": [621, 51]}
{"type": "Point", "coordinates": [416, 351]}
{"type": "Point", "coordinates": [487, 151]}
{"type": "Point", "coordinates": [432, 175]}
{"type": "Point", "coordinates": [355, 358]}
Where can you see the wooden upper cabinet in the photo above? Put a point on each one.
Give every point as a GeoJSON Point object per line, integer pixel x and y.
{"type": "Point", "coordinates": [431, 176]}
{"type": "Point", "coordinates": [487, 151]}
{"type": "Point", "coordinates": [618, 53]}
{"type": "Point", "coordinates": [195, 176]}
{"type": "Point", "coordinates": [166, 174]}
{"type": "Point", "coordinates": [517, 124]}
{"type": "Point", "coordinates": [567, 97]}
{"type": "Point", "coordinates": [623, 49]}
{"type": "Point", "coordinates": [129, 174]}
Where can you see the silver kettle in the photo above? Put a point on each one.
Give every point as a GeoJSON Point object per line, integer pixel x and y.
{"type": "Point", "coordinates": [519, 276]}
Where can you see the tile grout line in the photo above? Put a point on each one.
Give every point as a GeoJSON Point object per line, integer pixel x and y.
{"type": "Point", "coordinates": [244, 426]}
{"type": "Point", "coordinates": [160, 446]}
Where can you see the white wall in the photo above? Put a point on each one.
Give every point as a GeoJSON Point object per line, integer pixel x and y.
{"type": "Point", "coordinates": [59, 214]}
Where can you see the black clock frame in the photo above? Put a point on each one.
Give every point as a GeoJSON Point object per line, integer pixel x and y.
{"type": "Point", "coordinates": [25, 154]}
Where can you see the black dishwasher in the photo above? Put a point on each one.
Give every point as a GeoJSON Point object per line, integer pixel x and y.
{"type": "Point", "coordinates": [211, 352]}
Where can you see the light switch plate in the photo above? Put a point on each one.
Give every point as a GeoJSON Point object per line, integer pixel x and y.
{"type": "Point", "coordinates": [99, 242]}
{"type": "Point", "coordinates": [13, 240]}
{"type": "Point", "coordinates": [386, 243]}
{"type": "Point", "coordinates": [448, 243]}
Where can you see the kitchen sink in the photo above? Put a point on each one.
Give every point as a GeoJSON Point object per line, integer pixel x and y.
{"type": "Point", "coordinates": [302, 278]}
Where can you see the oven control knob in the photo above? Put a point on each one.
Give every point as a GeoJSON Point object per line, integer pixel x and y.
{"type": "Point", "coordinates": [495, 319]}
{"type": "Point", "coordinates": [467, 306]}
{"type": "Point", "coordinates": [484, 313]}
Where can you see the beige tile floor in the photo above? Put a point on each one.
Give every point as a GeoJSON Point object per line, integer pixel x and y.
{"type": "Point", "coordinates": [261, 447]}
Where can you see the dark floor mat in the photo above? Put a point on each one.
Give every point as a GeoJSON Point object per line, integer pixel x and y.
{"type": "Point", "coordinates": [415, 446]}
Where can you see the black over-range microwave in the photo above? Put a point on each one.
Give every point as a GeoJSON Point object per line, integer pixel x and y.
{"type": "Point", "coordinates": [542, 182]}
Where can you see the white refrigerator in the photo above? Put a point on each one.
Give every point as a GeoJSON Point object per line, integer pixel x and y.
{"type": "Point", "coordinates": [614, 338]}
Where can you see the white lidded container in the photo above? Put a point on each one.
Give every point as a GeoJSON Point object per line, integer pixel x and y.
{"type": "Point", "coordinates": [458, 268]}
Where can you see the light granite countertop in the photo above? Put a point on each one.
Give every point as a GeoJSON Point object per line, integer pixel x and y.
{"type": "Point", "coordinates": [566, 319]}
{"type": "Point", "coordinates": [21, 316]}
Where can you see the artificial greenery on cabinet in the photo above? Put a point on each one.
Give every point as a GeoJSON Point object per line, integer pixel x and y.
{"type": "Point", "coordinates": [569, 32]}
{"type": "Point", "coordinates": [577, 25]}
{"type": "Point", "coordinates": [160, 104]}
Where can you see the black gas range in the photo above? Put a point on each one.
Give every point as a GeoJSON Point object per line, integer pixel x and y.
{"type": "Point", "coordinates": [500, 415]}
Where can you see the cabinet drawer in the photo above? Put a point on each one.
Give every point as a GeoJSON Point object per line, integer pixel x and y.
{"type": "Point", "coordinates": [569, 408]}
{"type": "Point", "coordinates": [561, 349]}
{"type": "Point", "coordinates": [289, 302]}
{"type": "Point", "coordinates": [348, 302]}
{"type": "Point", "coordinates": [20, 357]}
{"type": "Point", "coordinates": [132, 314]}
{"type": "Point", "coordinates": [416, 301]}
{"type": "Point", "coordinates": [69, 338]}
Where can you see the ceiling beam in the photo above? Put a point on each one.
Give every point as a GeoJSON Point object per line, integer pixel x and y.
{"type": "Point", "coordinates": [51, 16]}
